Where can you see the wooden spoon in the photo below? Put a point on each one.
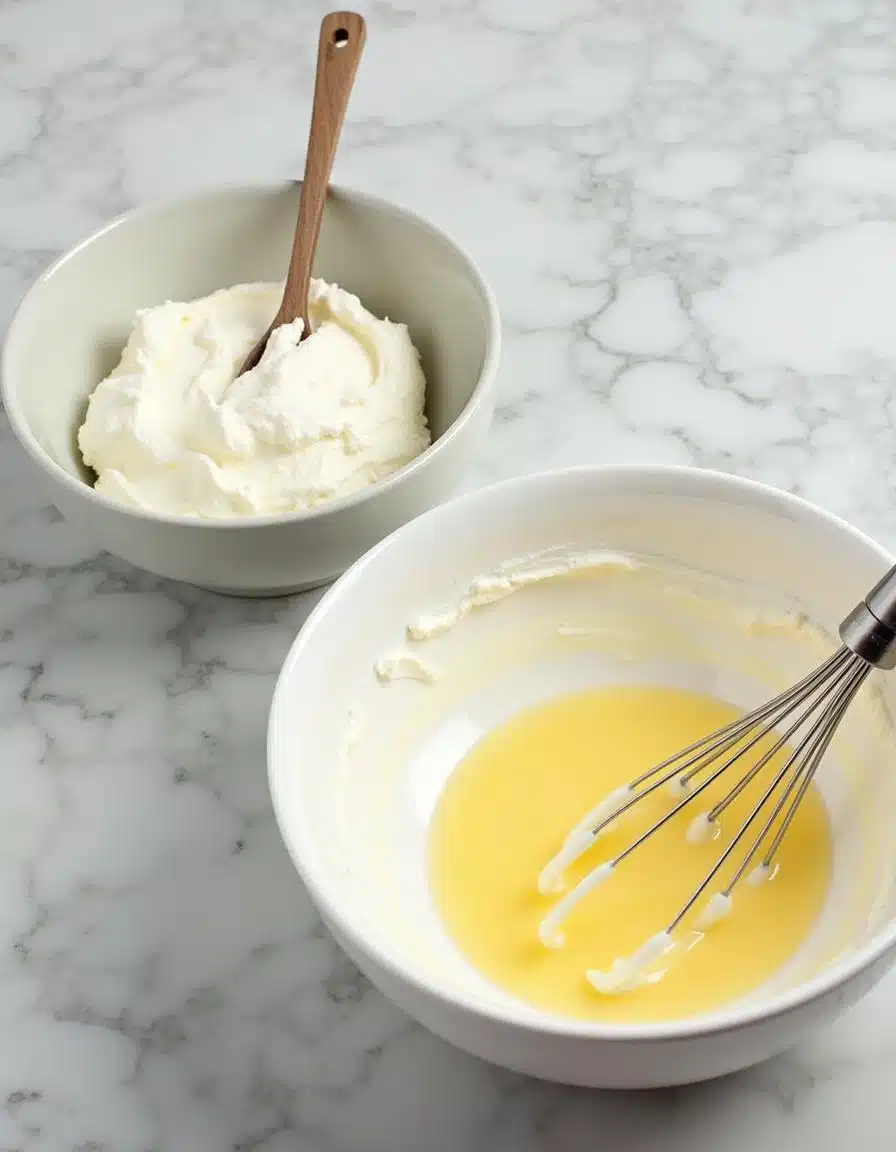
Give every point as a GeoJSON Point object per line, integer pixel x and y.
{"type": "Point", "coordinates": [342, 36]}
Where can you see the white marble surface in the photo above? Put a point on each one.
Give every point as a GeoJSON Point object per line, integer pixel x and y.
{"type": "Point", "coordinates": [688, 211]}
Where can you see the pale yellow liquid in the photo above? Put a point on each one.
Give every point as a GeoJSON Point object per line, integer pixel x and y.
{"type": "Point", "coordinates": [507, 807]}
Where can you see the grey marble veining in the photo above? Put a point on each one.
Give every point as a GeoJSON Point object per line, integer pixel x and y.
{"type": "Point", "coordinates": [688, 211]}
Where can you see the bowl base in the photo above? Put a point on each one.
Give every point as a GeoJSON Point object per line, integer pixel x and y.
{"type": "Point", "coordinates": [267, 593]}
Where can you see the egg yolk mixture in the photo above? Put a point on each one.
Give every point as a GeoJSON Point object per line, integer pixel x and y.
{"type": "Point", "coordinates": [508, 806]}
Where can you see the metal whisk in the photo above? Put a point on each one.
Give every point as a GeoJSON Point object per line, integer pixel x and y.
{"type": "Point", "coordinates": [804, 719]}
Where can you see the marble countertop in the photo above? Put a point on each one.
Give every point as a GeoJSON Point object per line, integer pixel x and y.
{"type": "Point", "coordinates": [688, 212]}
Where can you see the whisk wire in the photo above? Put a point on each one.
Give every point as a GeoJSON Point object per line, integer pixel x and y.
{"type": "Point", "coordinates": [809, 704]}
{"type": "Point", "coordinates": [816, 703]}
{"type": "Point", "coordinates": [736, 728]}
{"type": "Point", "coordinates": [811, 710]}
{"type": "Point", "coordinates": [806, 773]}
{"type": "Point", "coordinates": [801, 765]}
{"type": "Point", "coordinates": [708, 750]}
{"type": "Point", "coordinates": [837, 711]}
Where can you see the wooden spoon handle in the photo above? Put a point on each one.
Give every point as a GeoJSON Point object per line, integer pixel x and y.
{"type": "Point", "coordinates": [342, 36]}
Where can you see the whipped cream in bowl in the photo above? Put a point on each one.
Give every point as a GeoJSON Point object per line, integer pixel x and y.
{"type": "Point", "coordinates": [174, 429]}
{"type": "Point", "coordinates": [132, 412]}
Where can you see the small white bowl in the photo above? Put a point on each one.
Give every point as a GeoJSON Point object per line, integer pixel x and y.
{"type": "Point", "coordinates": [356, 763]}
{"type": "Point", "coordinates": [72, 325]}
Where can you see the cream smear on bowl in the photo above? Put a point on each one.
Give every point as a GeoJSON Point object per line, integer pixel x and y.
{"type": "Point", "coordinates": [173, 430]}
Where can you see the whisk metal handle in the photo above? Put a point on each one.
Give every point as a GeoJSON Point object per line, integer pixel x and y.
{"type": "Point", "coordinates": [870, 629]}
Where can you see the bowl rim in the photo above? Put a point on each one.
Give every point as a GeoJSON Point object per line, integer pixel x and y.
{"type": "Point", "coordinates": [323, 893]}
{"type": "Point", "coordinates": [78, 488]}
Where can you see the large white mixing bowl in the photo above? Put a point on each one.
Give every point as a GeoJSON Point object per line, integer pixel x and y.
{"type": "Point", "coordinates": [357, 761]}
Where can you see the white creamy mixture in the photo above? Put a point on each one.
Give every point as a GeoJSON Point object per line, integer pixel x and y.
{"type": "Point", "coordinates": [172, 430]}
{"type": "Point", "coordinates": [405, 666]}
{"type": "Point", "coordinates": [510, 578]}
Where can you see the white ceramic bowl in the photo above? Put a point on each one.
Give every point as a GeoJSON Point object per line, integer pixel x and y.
{"type": "Point", "coordinates": [74, 321]}
{"type": "Point", "coordinates": [356, 763]}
